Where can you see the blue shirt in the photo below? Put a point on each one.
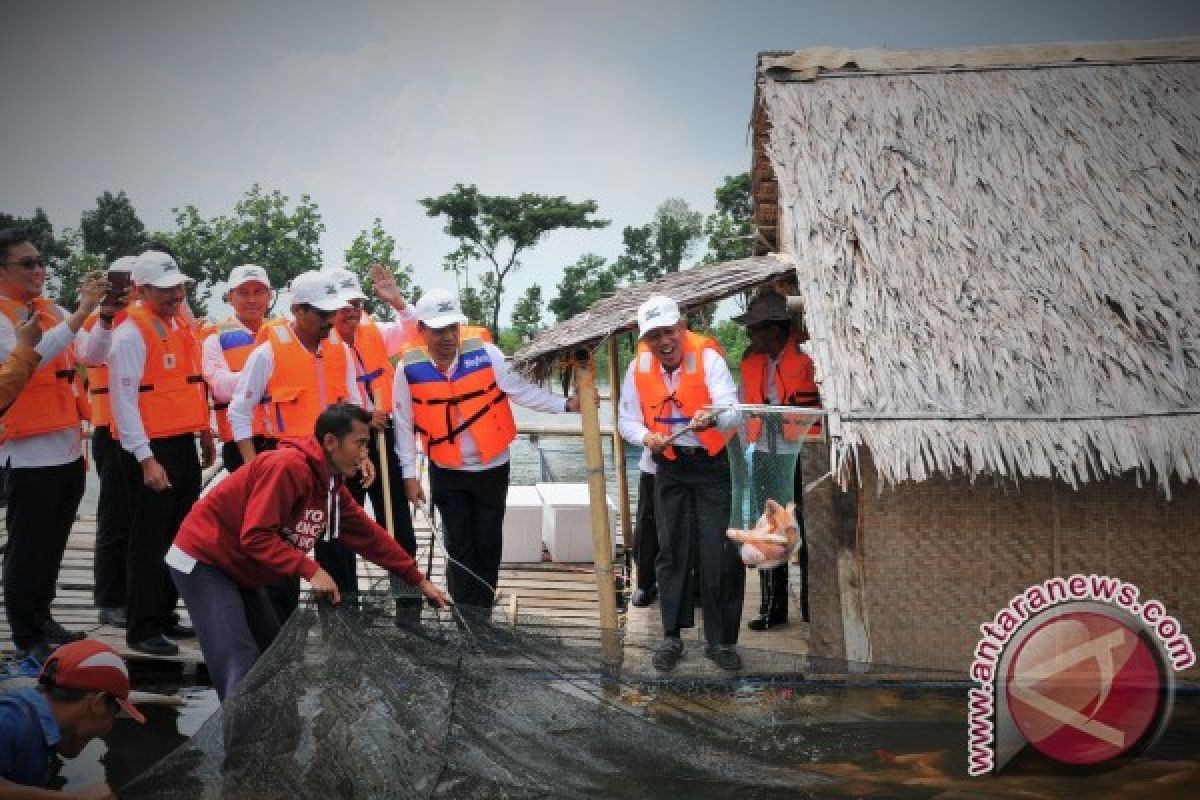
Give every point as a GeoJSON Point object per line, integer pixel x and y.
{"type": "Point", "coordinates": [29, 736]}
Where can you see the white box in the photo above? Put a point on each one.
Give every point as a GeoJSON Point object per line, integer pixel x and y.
{"type": "Point", "coordinates": [567, 521]}
{"type": "Point", "coordinates": [522, 526]}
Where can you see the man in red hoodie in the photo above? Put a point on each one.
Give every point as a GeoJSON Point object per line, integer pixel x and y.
{"type": "Point", "coordinates": [259, 526]}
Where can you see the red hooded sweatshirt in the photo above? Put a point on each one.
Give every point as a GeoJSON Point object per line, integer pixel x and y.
{"type": "Point", "coordinates": [260, 523]}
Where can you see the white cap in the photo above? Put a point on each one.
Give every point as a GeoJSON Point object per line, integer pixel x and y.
{"type": "Point", "coordinates": [246, 273]}
{"type": "Point", "coordinates": [317, 289]}
{"type": "Point", "coordinates": [157, 269]}
{"type": "Point", "coordinates": [659, 311]}
{"type": "Point", "coordinates": [439, 308]}
{"type": "Point", "coordinates": [123, 264]}
{"type": "Point", "coordinates": [347, 283]}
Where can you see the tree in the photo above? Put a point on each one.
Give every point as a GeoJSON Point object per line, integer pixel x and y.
{"type": "Point", "coordinates": [733, 340]}
{"type": "Point", "coordinates": [497, 229]}
{"type": "Point", "coordinates": [262, 230]}
{"type": "Point", "coordinates": [472, 305]}
{"type": "Point", "coordinates": [68, 273]}
{"type": "Point", "coordinates": [582, 284]}
{"type": "Point", "coordinates": [112, 229]}
{"type": "Point", "coordinates": [659, 248]}
{"type": "Point", "coordinates": [527, 314]}
{"type": "Point", "coordinates": [376, 246]}
{"type": "Point", "coordinates": [730, 228]}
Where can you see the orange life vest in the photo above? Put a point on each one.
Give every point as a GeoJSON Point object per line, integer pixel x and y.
{"type": "Point", "coordinates": [794, 381]}
{"type": "Point", "coordinates": [50, 401]}
{"type": "Point", "coordinates": [97, 378]}
{"type": "Point", "coordinates": [690, 396]}
{"type": "Point", "coordinates": [375, 367]}
{"type": "Point", "coordinates": [237, 343]}
{"type": "Point", "coordinates": [469, 400]}
{"type": "Point", "coordinates": [475, 332]}
{"type": "Point", "coordinates": [172, 397]}
{"type": "Point", "coordinates": [303, 384]}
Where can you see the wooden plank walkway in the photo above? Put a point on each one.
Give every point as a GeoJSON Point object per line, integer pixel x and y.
{"type": "Point", "coordinates": [556, 598]}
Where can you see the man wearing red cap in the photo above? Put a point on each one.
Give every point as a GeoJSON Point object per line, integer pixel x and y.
{"type": "Point", "coordinates": [81, 689]}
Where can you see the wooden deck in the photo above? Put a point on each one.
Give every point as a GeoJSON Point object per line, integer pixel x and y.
{"type": "Point", "coordinates": [557, 598]}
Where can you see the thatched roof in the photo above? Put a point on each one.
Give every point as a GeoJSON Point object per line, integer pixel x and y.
{"type": "Point", "coordinates": [1000, 266]}
{"type": "Point", "coordinates": [691, 288]}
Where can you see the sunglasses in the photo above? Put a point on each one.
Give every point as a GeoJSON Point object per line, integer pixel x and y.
{"type": "Point", "coordinates": [318, 312]}
{"type": "Point", "coordinates": [29, 262]}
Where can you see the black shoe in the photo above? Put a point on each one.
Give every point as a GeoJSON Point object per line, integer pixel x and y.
{"type": "Point", "coordinates": [56, 634]}
{"type": "Point", "coordinates": [177, 630]}
{"type": "Point", "coordinates": [113, 616]}
{"type": "Point", "coordinates": [644, 597]}
{"type": "Point", "coordinates": [667, 654]}
{"type": "Point", "coordinates": [724, 656]}
{"type": "Point", "coordinates": [408, 616]}
{"type": "Point", "coordinates": [38, 651]}
{"type": "Point", "coordinates": [762, 621]}
{"type": "Point", "coordinates": [155, 646]}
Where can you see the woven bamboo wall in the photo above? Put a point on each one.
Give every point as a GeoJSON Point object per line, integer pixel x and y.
{"type": "Point", "coordinates": [942, 556]}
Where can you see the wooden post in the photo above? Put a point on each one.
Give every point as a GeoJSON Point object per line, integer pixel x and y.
{"type": "Point", "coordinates": [585, 386]}
{"type": "Point", "coordinates": [618, 447]}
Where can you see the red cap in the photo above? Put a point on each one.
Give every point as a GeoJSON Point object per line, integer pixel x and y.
{"type": "Point", "coordinates": [93, 667]}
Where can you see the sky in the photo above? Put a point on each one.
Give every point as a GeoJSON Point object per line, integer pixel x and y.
{"type": "Point", "coordinates": [368, 107]}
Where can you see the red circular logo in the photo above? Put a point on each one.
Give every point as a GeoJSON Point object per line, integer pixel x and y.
{"type": "Point", "coordinates": [1084, 688]}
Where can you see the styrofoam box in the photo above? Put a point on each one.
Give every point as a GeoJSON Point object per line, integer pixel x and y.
{"type": "Point", "coordinates": [567, 521]}
{"type": "Point", "coordinates": [522, 526]}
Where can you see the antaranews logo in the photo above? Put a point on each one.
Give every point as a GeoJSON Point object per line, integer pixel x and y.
{"type": "Point", "coordinates": [1076, 667]}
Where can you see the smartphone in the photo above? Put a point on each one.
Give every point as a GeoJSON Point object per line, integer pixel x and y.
{"type": "Point", "coordinates": [118, 281]}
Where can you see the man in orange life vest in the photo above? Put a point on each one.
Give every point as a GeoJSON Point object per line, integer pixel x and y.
{"type": "Point", "coordinates": [776, 371]}
{"type": "Point", "coordinates": [224, 353]}
{"type": "Point", "coordinates": [454, 393]}
{"type": "Point", "coordinates": [372, 345]}
{"type": "Point", "coordinates": [674, 375]}
{"type": "Point", "coordinates": [293, 374]}
{"type": "Point", "coordinates": [43, 444]}
{"type": "Point", "coordinates": [114, 506]}
{"type": "Point", "coordinates": [159, 405]}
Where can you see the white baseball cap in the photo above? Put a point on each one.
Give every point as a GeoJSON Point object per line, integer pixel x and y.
{"type": "Point", "coordinates": [123, 264]}
{"type": "Point", "coordinates": [157, 269]}
{"type": "Point", "coordinates": [247, 273]}
{"type": "Point", "coordinates": [439, 308]}
{"type": "Point", "coordinates": [347, 283]}
{"type": "Point", "coordinates": [317, 289]}
{"type": "Point", "coordinates": [659, 311]}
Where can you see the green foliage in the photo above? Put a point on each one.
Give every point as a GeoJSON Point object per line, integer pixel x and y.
{"type": "Point", "coordinates": [69, 272]}
{"type": "Point", "coordinates": [112, 229]}
{"type": "Point", "coordinates": [583, 283]}
{"type": "Point", "coordinates": [376, 246]}
{"type": "Point", "coordinates": [730, 228]}
{"type": "Point", "coordinates": [497, 229]}
{"type": "Point", "coordinates": [733, 339]}
{"type": "Point", "coordinates": [527, 315]}
{"type": "Point", "coordinates": [472, 305]}
{"type": "Point", "coordinates": [638, 263]}
{"type": "Point", "coordinates": [660, 247]}
{"type": "Point", "coordinates": [262, 230]}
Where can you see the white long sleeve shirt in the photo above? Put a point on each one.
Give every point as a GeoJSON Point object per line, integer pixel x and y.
{"type": "Point", "coordinates": [394, 334]}
{"type": "Point", "coordinates": [517, 388]}
{"type": "Point", "coordinates": [126, 365]}
{"type": "Point", "coordinates": [220, 378]}
{"type": "Point", "coordinates": [252, 383]}
{"type": "Point", "coordinates": [632, 427]}
{"type": "Point", "coordinates": [48, 449]}
{"type": "Point", "coordinates": [91, 347]}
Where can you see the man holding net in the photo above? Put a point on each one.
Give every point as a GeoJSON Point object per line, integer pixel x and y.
{"type": "Point", "coordinates": [259, 525]}
{"type": "Point", "coordinates": [675, 374]}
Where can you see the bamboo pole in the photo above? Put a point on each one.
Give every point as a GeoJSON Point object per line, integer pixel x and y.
{"type": "Point", "coordinates": [618, 446]}
{"type": "Point", "coordinates": [585, 387]}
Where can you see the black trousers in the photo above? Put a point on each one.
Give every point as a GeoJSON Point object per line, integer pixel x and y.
{"type": "Point", "coordinates": [41, 510]}
{"type": "Point", "coordinates": [401, 514]}
{"type": "Point", "coordinates": [692, 499]}
{"type": "Point", "coordinates": [645, 533]}
{"type": "Point", "coordinates": [114, 515]}
{"type": "Point", "coordinates": [773, 583]}
{"type": "Point", "coordinates": [471, 505]}
{"type": "Point", "coordinates": [151, 594]}
{"type": "Point", "coordinates": [231, 457]}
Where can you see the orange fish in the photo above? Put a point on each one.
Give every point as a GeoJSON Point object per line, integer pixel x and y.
{"type": "Point", "coordinates": [773, 540]}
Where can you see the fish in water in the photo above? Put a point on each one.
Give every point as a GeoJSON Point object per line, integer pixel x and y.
{"type": "Point", "coordinates": [773, 540]}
